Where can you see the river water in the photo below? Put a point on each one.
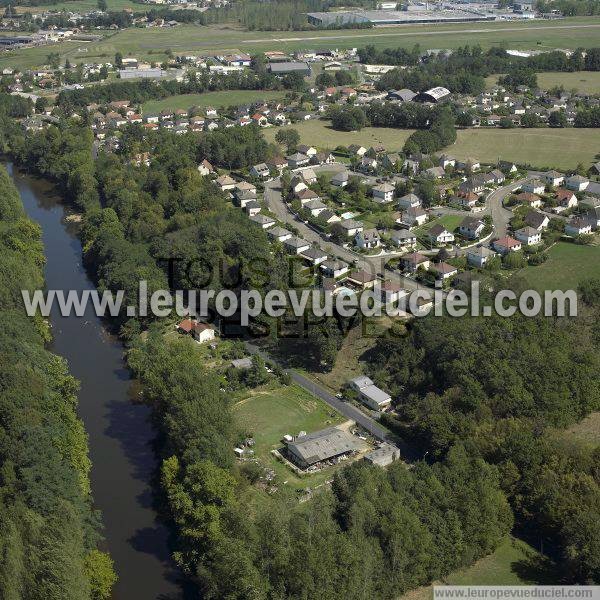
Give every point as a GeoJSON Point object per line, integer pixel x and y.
{"type": "Point", "coordinates": [120, 434]}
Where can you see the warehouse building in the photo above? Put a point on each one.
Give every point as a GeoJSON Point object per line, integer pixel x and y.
{"type": "Point", "coordinates": [383, 456]}
{"type": "Point", "coordinates": [323, 445]}
{"type": "Point", "coordinates": [284, 68]}
{"type": "Point", "coordinates": [436, 94]}
{"type": "Point", "coordinates": [396, 17]}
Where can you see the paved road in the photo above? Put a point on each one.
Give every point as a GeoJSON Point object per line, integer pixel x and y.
{"type": "Point", "coordinates": [408, 452]}
{"type": "Point", "coordinates": [494, 207]}
{"type": "Point", "coordinates": [374, 264]}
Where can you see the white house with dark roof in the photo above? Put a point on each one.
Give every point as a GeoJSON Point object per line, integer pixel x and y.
{"type": "Point", "coordinates": [443, 270]}
{"type": "Point", "coordinates": [409, 201]}
{"type": "Point", "coordinates": [537, 220]}
{"type": "Point", "coordinates": [367, 239]}
{"type": "Point", "coordinates": [577, 183]}
{"type": "Point", "coordinates": [404, 238]}
{"type": "Point", "coordinates": [351, 227]}
{"type": "Point", "coordinates": [471, 228]}
{"type": "Point", "coordinates": [296, 245]}
{"type": "Point", "coordinates": [383, 193]}
{"type": "Point", "coordinates": [553, 178]}
{"type": "Point", "coordinates": [529, 236]}
{"type": "Point", "coordinates": [414, 216]}
{"type": "Point", "coordinates": [340, 179]}
{"type": "Point", "coordinates": [478, 256]}
{"type": "Point", "coordinates": [261, 170]}
{"type": "Point", "coordinates": [279, 234]}
{"type": "Point", "coordinates": [576, 227]}
{"type": "Point", "coordinates": [507, 244]}
{"type": "Point", "coordinates": [533, 186]}
{"type": "Point", "coordinates": [438, 234]}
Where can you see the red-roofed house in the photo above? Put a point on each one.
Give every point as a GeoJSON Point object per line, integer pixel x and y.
{"type": "Point", "coordinates": [507, 244]}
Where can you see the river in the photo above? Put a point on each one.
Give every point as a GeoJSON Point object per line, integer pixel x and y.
{"type": "Point", "coordinates": [120, 434]}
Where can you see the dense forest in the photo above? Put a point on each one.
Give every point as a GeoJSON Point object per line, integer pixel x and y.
{"type": "Point", "coordinates": [48, 529]}
{"type": "Point", "coordinates": [503, 388]}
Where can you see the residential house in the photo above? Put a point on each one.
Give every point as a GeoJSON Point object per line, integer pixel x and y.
{"type": "Point", "coordinates": [577, 183]}
{"type": "Point", "coordinates": [297, 160]}
{"type": "Point", "coordinates": [404, 238]}
{"type": "Point", "coordinates": [252, 208]}
{"type": "Point", "coordinates": [592, 216]}
{"type": "Point", "coordinates": [277, 163]}
{"type": "Point", "coordinates": [368, 238]}
{"type": "Point", "coordinates": [263, 221]}
{"type": "Point", "coordinates": [553, 178]}
{"type": "Point", "coordinates": [438, 234]}
{"type": "Point", "coordinates": [279, 234]}
{"type": "Point", "coordinates": [537, 220]}
{"type": "Point", "coordinates": [391, 291]}
{"type": "Point", "coordinates": [315, 207]}
{"type": "Point", "coordinates": [469, 165]}
{"type": "Point", "coordinates": [443, 270]}
{"type": "Point", "coordinates": [201, 332]}
{"type": "Point", "coordinates": [471, 228]}
{"type": "Point", "coordinates": [205, 168]}
{"type": "Point", "coordinates": [340, 179]}
{"type": "Point", "coordinates": [328, 216]}
{"type": "Point", "coordinates": [368, 164]}
{"type": "Point", "coordinates": [528, 235]}
{"type": "Point", "coordinates": [261, 170]}
{"type": "Point", "coordinates": [392, 161]}
{"type": "Point", "coordinates": [576, 227]}
{"type": "Point", "coordinates": [383, 193]}
{"type": "Point", "coordinates": [225, 182]}
{"type": "Point", "coordinates": [529, 199]}
{"type": "Point", "coordinates": [498, 176]}
{"type": "Point", "coordinates": [507, 244]}
{"type": "Point", "coordinates": [507, 167]}
{"type": "Point", "coordinates": [533, 186]}
{"type": "Point", "coordinates": [306, 195]}
{"type": "Point", "coordinates": [356, 150]}
{"type": "Point", "coordinates": [566, 199]}
{"type": "Point", "coordinates": [334, 268]}
{"type": "Point", "coordinates": [415, 260]}
{"type": "Point", "coordinates": [467, 200]}
{"type": "Point", "coordinates": [435, 172]}
{"type": "Point", "coordinates": [447, 161]}
{"type": "Point", "coordinates": [322, 158]}
{"type": "Point", "coordinates": [351, 227]}
{"type": "Point", "coordinates": [362, 279]}
{"type": "Point", "coordinates": [369, 393]}
{"type": "Point", "coordinates": [314, 255]}
{"type": "Point", "coordinates": [307, 150]}
{"type": "Point", "coordinates": [243, 197]}
{"type": "Point", "coordinates": [414, 217]}
{"type": "Point", "coordinates": [409, 201]}
{"type": "Point", "coordinates": [478, 256]}
{"type": "Point", "coordinates": [296, 245]}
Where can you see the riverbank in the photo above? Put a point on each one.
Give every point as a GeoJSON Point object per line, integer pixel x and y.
{"type": "Point", "coordinates": [121, 438]}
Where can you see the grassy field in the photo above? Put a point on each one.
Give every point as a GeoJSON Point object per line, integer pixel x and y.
{"type": "Point", "coordinates": [586, 431]}
{"type": "Point", "coordinates": [152, 43]}
{"type": "Point", "coordinates": [513, 563]}
{"type": "Point", "coordinates": [320, 134]}
{"type": "Point", "coordinates": [583, 81]}
{"type": "Point", "coordinates": [269, 413]}
{"type": "Point", "coordinates": [450, 222]}
{"type": "Point", "coordinates": [561, 149]}
{"type": "Point", "coordinates": [215, 99]}
{"type": "Point", "coordinates": [566, 266]}
{"type": "Point", "coordinates": [80, 5]}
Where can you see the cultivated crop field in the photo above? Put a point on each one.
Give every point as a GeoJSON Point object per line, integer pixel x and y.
{"type": "Point", "coordinates": [555, 148]}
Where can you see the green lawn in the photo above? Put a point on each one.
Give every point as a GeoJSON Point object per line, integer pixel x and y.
{"type": "Point", "coordinates": [450, 222]}
{"type": "Point", "coordinates": [215, 99]}
{"type": "Point", "coordinates": [582, 81]}
{"type": "Point", "coordinates": [319, 133]}
{"type": "Point", "coordinates": [552, 148]}
{"type": "Point", "coordinates": [80, 5]}
{"type": "Point", "coordinates": [269, 413]}
{"type": "Point", "coordinates": [566, 266]}
{"type": "Point", "coordinates": [513, 563]}
{"type": "Point", "coordinates": [152, 43]}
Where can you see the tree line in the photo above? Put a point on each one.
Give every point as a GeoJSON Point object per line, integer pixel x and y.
{"type": "Point", "coordinates": [49, 531]}
{"type": "Point", "coordinates": [504, 388]}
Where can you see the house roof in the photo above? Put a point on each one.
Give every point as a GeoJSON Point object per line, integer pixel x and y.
{"type": "Point", "coordinates": [323, 444]}
{"type": "Point", "coordinates": [535, 219]}
{"type": "Point", "coordinates": [507, 242]}
{"type": "Point", "coordinates": [443, 267]}
{"type": "Point", "coordinates": [528, 197]}
{"type": "Point", "coordinates": [415, 258]}
{"type": "Point", "coordinates": [437, 230]}
{"type": "Point", "coordinates": [527, 231]}
{"type": "Point", "coordinates": [362, 276]}
{"type": "Point", "coordinates": [278, 231]}
{"type": "Point", "coordinates": [383, 187]}
{"type": "Point", "coordinates": [471, 223]}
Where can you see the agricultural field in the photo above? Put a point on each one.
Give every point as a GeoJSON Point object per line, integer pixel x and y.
{"type": "Point", "coordinates": [513, 563]}
{"type": "Point", "coordinates": [540, 148]}
{"type": "Point", "coordinates": [79, 5]}
{"type": "Point", "coordinates": [215, 99]}
{"type": "Point", "coordinates": [587, 82]}
{"type": "Point", "coordinates": [270, 412]}
{"type": "Point", "coordinates": [319, 133]}
{"type": "Point", "coordinates": [566, 266]}
{"type": "Point", "coordinates": [152, 43]}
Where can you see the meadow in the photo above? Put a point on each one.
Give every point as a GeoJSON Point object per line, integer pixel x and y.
{"type": "Point", "coordinates": [152, 43]}
{"type": "Point", "coordinates": [587, 82]}
{"type": "Point", "coordinates": [566, 266]}
{"type": "Point", "coordinates": [270, 412]}
{"type": "Point", "coordinates": [553, 148]}
{"type": "Point", "coordinates": [319, 133]}
{"type": "Point", "coordinates": [215, 99]}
